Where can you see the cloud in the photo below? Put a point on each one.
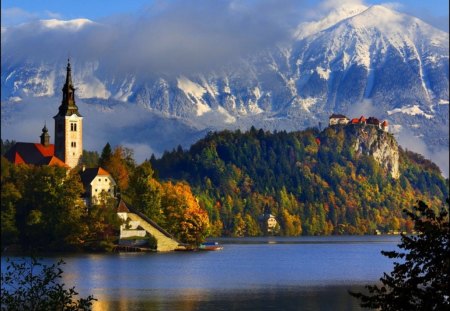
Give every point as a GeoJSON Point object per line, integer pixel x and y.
{"type": "Point", "coordinates": [364, 108]}
{"type": "Point", "coordinates": [15, 16]}
{"type": "Point", "coordinates": [128, 125]}
{"type": "Point", "coordinates": [141, 152]}
{"type": "Point", "coordinates": [166, 37]}
{"type": "Point", "coordinates": [439, 155]}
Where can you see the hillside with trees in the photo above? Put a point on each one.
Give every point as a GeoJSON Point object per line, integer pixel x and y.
{"type": "Point", "coordinates": [314, 183]}
{"type": "Point", "coordinates": [42, 207]}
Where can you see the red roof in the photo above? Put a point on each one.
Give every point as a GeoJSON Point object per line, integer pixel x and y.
{"type": "Point", "coordinates": [122, 208]}
{"type": "Point", "coordinates": [102, 171]}
{"type": "Point", "coordinates": [46, 151]}
{"type": "Point", "coordinates": [354, 121]}
{"type": "Point", "coordinates": [385, 123]}
{"type": "Point", "coordinates": [362, 119]}
{"type": "Point", "coordinates": [54, 161]}
{"type": "Point", "coordinates": [32, 153]}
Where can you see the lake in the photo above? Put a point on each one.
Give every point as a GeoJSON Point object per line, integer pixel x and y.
{"type": "Point", "coordinates": [303, 273]}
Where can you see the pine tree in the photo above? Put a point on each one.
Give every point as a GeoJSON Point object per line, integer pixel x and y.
{"type": "Point", "coordinates": [106, 155]}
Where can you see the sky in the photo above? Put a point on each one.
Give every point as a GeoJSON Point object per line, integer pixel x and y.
{"type": "Point", "coordinates": [13, 12]}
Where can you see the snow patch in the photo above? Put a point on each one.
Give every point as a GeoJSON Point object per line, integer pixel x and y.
{"type": "Point", "coordinates": [411, 110]}
{"type": "Point", "coordinates": [443, 102]}
{"type": "Point", "coordinates": [257, 92]}
{"type": "Point", "coordinates": [338, 14]}
{"type": "Point", "coordinates": [323, 73]}
{"type": "Point", "coordinates": [227, 117]}
{"type": "Point", "coordinates": [190, 87]}
{"type": "Point", "coordinates": [306, 103]}
{"type": "Point", "coordinates": [126, 90]}
{"type": "Point", "coordinates": [194, 91]}
{"type": "Point", "coordinates": [91, 87]}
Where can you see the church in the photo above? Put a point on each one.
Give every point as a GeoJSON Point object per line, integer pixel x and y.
{"type": "Point", "coordinates": [67, 150]}
{"type": "Point", "coordinates": [68, 147]}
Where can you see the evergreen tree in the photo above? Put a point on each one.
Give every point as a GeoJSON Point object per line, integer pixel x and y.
{"type": "Point", "coordinates": [106, 155]}
{"type": "Point", "coordinates": [90, 158]}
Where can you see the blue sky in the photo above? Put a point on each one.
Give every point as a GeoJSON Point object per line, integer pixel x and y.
{"type": "Point", "coordinates": [19, 11]}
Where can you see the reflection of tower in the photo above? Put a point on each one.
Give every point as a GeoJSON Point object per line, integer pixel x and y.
{"type": "Point", "coordinates": [68, 125]}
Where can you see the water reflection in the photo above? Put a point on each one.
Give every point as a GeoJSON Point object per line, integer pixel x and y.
{"type": "Point", "coordinates": [300, 298]}
{"type": "Point", "coordinates": [307, 273]}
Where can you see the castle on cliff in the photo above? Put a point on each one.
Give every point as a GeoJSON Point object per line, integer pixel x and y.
{"type": "Point", "coordinates": [336, 119]}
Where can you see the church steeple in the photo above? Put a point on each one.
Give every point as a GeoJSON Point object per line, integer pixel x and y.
{"type": "Point", "coordinates": [45, 137]}
{"type": "Point", "coordinates": [68, 106]}
{"type": "Point", "coordinates": [68, 125]}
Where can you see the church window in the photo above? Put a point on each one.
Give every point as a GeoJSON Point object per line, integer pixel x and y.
{"type": "Point", "coordinates": [73, 144]}
{"type": "Point", "coordinates": [73, 127]}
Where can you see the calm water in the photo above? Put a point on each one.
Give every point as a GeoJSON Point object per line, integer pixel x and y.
{"type": "Point", "coordinates": [306, 273]}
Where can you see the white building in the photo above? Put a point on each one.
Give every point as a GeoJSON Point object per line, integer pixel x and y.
{"type": "Point", "coordinates": [97, 181]}
{"type": "Point", "coordinates": [338, 119]}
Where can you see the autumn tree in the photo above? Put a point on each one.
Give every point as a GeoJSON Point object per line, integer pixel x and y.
{"type": "Point", "coordinates": [419, 280]}
{"type": "Point", "coordinates": [119, 164]}
{"type": "Point", "coordinates": [184, 217]}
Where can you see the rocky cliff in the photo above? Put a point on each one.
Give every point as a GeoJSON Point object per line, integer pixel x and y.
{"type": "Point", "coordinates": [381, 145]}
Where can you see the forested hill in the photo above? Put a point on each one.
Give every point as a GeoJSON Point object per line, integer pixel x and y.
{"type": "Point", "coordinates": [342, 180]}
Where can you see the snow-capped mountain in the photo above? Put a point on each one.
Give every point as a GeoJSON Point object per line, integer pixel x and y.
{"type": "Point", "coordinates": [358, 59]}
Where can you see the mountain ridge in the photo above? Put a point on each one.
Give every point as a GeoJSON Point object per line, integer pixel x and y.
{"type": "Point", "coordinates": [341, 68]}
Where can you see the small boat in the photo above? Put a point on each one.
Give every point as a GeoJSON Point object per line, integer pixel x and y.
{"type": "Point", "coordinates": [210, 246]}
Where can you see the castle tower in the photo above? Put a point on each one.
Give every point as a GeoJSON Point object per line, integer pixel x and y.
{"type": "Point", "coordinates": [68, 125]}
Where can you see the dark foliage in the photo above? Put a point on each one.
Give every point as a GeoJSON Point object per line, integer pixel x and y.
{"type": "Point", "coordinates": [31, 285]}
{"type": "Point", "coordinates": [90, 158]}
{"type": "Point", "coordinates": [420, 279]}
{"type": "Point", "coordinates": [5, 145]}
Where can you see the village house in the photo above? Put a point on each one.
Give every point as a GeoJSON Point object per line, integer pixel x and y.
{"type": "Point", "coordinates": [269, 223]}
{"type": "Point", "coordinates": [129, 228]}
{"type": "Point", "coordinates": [338, 119]}
{"type": "Point", "coordinates": [97, 182]}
